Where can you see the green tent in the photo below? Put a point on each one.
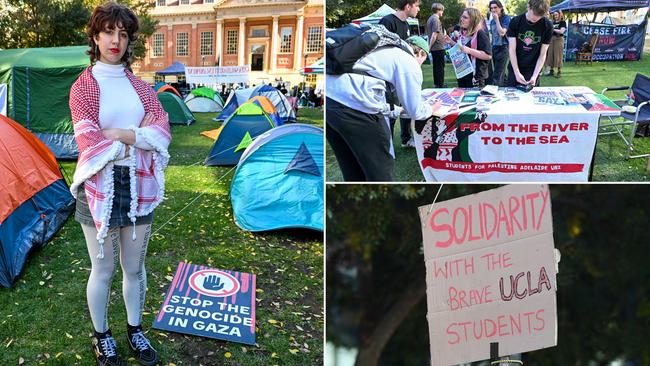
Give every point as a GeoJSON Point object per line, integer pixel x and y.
{"type": "Point", "coordinates": [38, 88]}
{"type": "Point", "coordinates": [178, 112]}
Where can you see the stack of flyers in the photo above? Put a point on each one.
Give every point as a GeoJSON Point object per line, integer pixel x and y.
{"type": "Point", "coordinates": [511, 96]}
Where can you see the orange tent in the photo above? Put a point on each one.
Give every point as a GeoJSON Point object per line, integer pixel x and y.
{"type": "Point", "coordinates": [169, 88]}
{"type": "Point", "coordinates": [34, 198]}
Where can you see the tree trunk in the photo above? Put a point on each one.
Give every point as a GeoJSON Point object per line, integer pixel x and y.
{"type": "Point", "coordinates": [373, 344]}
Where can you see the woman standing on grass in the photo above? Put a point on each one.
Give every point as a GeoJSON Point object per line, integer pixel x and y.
{"type": "Point", "coordinates": [555, 54]}
{"type": "Point", "coordinates": [123, 133]}
{"type": "Point", "coordinates": [474, 41]}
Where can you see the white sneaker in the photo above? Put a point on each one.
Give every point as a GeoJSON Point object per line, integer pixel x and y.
{"type": "Point", "coordinates": [409, 143]}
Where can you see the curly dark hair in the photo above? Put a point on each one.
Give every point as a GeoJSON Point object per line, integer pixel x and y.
{"type": "Point", "coordinates": [108, 16]}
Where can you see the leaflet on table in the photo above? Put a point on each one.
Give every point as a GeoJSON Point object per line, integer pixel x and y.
{"type": "Point", "coordinates": [542, 96]}
{"type": "Point", "coordinates": [461, 62]}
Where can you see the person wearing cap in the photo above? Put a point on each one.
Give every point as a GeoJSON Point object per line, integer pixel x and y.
{"type": "Point", "coordinates": [357, 127]}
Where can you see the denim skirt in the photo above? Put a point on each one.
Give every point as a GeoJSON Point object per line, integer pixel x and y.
{"type": "Point", "coordinates": [121, 203]}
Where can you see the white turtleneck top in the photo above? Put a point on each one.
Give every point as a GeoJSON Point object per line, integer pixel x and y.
{"type": "Point", "coordinates": [119, 104]}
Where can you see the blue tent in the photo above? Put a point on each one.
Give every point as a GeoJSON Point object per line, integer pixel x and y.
{"type": "Point", "coordinates": [173, 69]}
{"type": "Point", "coordinates": [241, 96]}
{"type": "Point", "coordinates": [234, 136]}
{"type": "Point", "coordinates": [279, 181]}
{"type": "Point", "coordinates": [35, 201]}
{"type": "Point", "coordinates": [605, 6]}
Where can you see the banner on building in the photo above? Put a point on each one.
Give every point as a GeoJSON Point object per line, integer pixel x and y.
{"type": "Point", "coordinates": [615, 43]}
{"type": "Point", "coordinates": [546, 135]}
{"type": "Point", "coordinates": [217, 74]}
{"type": "Point", "coordinates": [490, 274]}
{"type": "Point", "coordinates": [210, 303]}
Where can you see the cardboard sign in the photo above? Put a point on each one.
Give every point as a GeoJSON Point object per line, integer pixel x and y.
{"type": "Point", "coordinates": [210, 303]}
{"type": "Point", "coordinates": [217, 74]}
{"type": "Point", "coordinates": [491, 269]}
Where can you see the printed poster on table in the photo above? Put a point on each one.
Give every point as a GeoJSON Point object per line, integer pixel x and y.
{"type": "Point", "coordinates": [490, 274]}
{"type": "Point", "coordinates": [538, 137]}
{"type": "Point", "coordinates": [211, 303]}
{"type": "Point", "coordinates": [217, 74]}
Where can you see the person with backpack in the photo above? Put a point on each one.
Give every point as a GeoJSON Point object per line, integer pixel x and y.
{"type": "Point", "coordinates": [123, 136]}
{"type": "Point", "coordinates": [529, 36]}
{"type": "Point", "coordinates": [397, 23]}
{"type": "Point", "coordinates": [475, 42]}
{"type": "Point", "coordinates": [356, 124]}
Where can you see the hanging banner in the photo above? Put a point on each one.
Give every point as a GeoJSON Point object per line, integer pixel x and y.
{"type": "Point", "coordinates": [217, 74]}
{"type": "Point", "coordinates": [546, 135]}
{"type": "Point", "coordinates": [490, 274]}
{"type": "Point", "coordinates": [615, 43]}
{"type": "Point", "coordinates": [210, 303]}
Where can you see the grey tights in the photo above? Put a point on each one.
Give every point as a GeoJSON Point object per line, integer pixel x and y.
{"type": "Point", "coordinates": [134, 281]}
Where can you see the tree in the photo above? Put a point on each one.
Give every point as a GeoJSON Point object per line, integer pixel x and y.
{"type": "Point", "coordinates": [42, 23]}
{"type": "Point", "coordinates": [451, 16]}
{"type": "Point", "coordinates": [375, 273]}
{"type": "Point", "coordinates": [148, 25]}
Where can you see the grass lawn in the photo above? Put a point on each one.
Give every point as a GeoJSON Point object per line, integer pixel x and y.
{"type": "Point", "coordinates": [44, 318]}
{"type": "Point", "coordinates": [610, 165]}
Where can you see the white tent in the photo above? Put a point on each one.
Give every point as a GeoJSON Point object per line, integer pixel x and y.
{"type": "Point", "coordinates": [203, 104]}
{"type": "Point", "coordinates": [376, 16]}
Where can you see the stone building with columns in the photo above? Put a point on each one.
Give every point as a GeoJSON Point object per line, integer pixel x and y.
{"type": "Point", "coordinates": [276, 37]}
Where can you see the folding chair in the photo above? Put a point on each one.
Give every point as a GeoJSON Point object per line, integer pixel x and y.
{"type": "Point", "coordinates": [641, 91]}
{"type": "Point", "coordinates": [587, 55]}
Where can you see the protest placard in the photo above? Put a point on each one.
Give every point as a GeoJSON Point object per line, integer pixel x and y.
{"type": "Point", "coordinates": [490, 274]}
{"type": "Point", "coordinates": [210, 303]}
{"type": "Point", "coordinates": [460, 61]}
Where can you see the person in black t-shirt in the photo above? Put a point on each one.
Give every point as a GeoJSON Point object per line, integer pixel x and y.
{"type": "Point", "coordinates": [397, 24]}
{"type": "Point", "coordinates": [475, 42]}
{"type": "Point", "coordinates": [555, 54]}
{"type": "Point", "coordinates": [529, 36]}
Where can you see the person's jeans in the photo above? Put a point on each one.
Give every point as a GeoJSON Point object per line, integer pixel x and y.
{"type": "Point", "coordinates": [500, 58]}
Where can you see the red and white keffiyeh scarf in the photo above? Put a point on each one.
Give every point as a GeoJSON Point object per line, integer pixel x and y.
{"type": "Point", "coordinates": [97, 154]}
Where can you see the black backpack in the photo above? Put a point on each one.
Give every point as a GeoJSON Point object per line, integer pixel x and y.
{"type": "Point", "coordinates": [346, 45]}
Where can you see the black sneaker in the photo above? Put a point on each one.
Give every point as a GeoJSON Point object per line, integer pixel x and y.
{"type": "Point", "coordinates": [105, 350]}
{"type": "Point", "coordinates": [141, 347]}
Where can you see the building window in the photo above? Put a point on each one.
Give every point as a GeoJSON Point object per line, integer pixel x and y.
{"type": "Point", "coordinates": [160, 2]}
{"type": "Point", "coordinates": [206, 43]}
{"type": "Point", "coordinates": [185, 2]}
{"type": "Point", "coordinates": [310, 78]}
{"type": "Point", "coordinates": [158, 45]}
{"type": "Point", "coordinates": [182, 44]}
{"type": "Point", "coordinates": [231, 42]}
{"type": "Point", "coordinates": [208, 1]}
{"type": "Point", "coordinates": [314, 39]}
{"type": "Point", "coordinates": [285, 39]}
{"type": "Point", "coordinates": [258, 32]}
